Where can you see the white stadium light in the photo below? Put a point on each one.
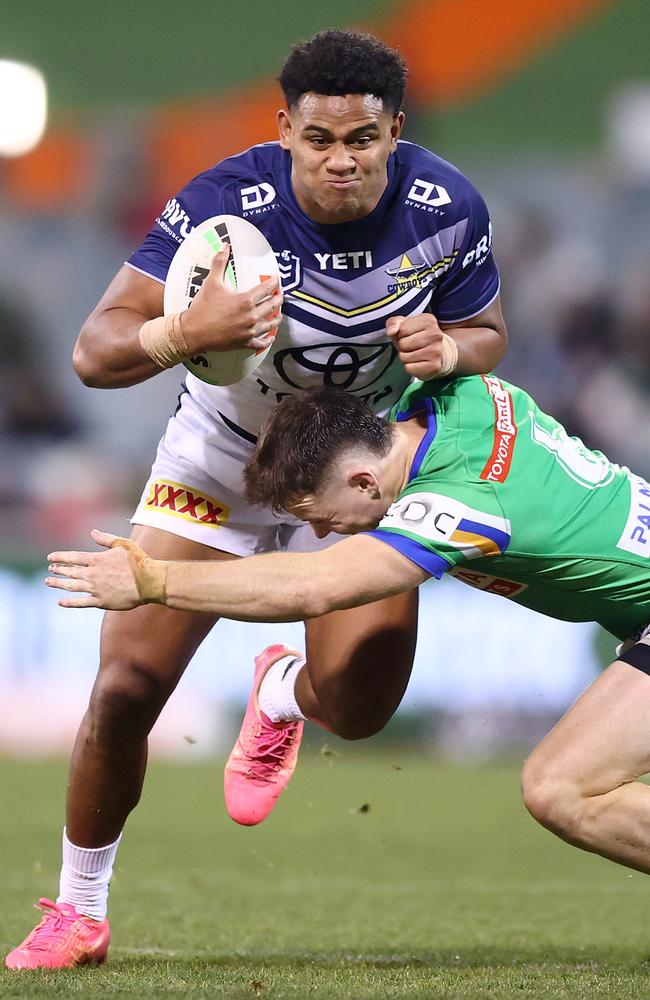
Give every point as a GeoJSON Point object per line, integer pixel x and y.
{"type": "Point", "coordinates": [23, 107]}
{"type": "Point", "coordinates": [629, 131]}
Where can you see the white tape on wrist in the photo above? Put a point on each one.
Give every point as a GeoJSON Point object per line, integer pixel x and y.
{"type": "Point", "coordinates": [449, 356]}
{"type": "Point", "coordinates": [163, 341]}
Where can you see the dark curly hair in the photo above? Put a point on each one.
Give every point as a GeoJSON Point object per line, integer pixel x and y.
{"type": "Point", "coordinates": [336, 62]}
{"type": "Point", "coordinates": [301, 439]}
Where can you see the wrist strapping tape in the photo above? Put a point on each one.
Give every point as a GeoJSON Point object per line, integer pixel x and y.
{"type": "Point", "coordinates": [449, 356]}
{"type": "Point", "coordinates": [162, 339]}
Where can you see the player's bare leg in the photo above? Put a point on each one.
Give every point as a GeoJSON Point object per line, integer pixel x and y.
{"type": "Point", "coordinates": [358, 665]}
{"type": "Point", "coordinates": [143, 655]}
{"type": "Point", "coordinates": [581, 783]}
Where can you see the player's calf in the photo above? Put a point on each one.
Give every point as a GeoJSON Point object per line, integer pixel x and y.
{"type": "Point", "coordinates": [109, 757]}
{"type": "Point", "coordinates": [333, 707]}
{"type": "Point", "coordinates": [581, 781]}
{"type": "Point", "coordinates": [358, 666]}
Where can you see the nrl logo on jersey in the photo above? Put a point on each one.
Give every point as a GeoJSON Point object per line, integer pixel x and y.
{"type": "Point", "coordinates": [409, 274]}
{"type": "Point", "coordinates": [290, 269]}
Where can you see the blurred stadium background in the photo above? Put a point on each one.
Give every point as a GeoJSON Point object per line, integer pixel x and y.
{"type": "Point", "coordinates": [545, 106]}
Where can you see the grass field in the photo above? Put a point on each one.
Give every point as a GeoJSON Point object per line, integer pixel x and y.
{"type": "Point", "coordinates": [378, 876]}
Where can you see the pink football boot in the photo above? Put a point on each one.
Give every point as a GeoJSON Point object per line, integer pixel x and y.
{"type": "Point", "coordinates": [264, 755]}
{"type": "Point", "coordinates": [62, 940]}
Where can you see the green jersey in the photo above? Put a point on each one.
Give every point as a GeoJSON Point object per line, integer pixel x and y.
{"type": "Point", "coordinates": [502, 498]}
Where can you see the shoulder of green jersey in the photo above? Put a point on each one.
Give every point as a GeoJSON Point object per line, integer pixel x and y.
{"type": "Point", "coordinates": [446, 521]}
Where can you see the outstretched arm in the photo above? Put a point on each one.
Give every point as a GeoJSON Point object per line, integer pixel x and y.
{"type": "Point", "coordinates": [275, 587]}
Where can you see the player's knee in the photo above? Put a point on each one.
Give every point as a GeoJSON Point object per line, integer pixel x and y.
{"type": "Point", "coordinates": [349, 706]}
{"type": "Point", "coordinates": [126, 698]}
{"type": "Point", "coordinates": [553, 800]}
{"type": "Point", "coordinates": [355, 729]}
{"type": "Point", "coordinates": [358, 722]}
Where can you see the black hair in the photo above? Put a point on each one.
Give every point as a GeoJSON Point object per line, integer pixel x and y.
{"type": "Point", "coordinates": [301, 439]}
{"type": "Point", "coordinates": [336, 62]}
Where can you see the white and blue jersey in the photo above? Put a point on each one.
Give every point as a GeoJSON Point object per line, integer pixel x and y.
{"type": "Point", "coordinates": [426, 246]}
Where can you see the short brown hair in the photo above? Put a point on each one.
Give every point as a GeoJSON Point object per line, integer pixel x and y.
{"type": "Point", "coordinates": [300, 440]}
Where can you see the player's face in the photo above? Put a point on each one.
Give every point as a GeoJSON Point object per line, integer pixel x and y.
{"type": "Point", "coordinates": [339, 149]}
{"type": "Point", "coordinates": [350, 503]}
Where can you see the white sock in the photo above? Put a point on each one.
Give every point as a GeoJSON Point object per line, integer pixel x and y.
{"type": "Point", "coordinates": [85, 875]}
{"type": "Point", "coordinates": [277, 697]}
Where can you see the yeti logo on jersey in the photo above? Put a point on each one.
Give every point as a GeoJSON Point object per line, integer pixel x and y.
{"type": "Point", "coordinates": [636, 533]}
{"type": "Point", "coordinates": [344, 261]}
{"type": "Point", "coordinates": [445, 520]}
{"type": "Point", "coordinates": [348, 366]}
{"type": "Point", "coordinates": [290, 269]}
{"type": "Point", "coordinates": [426, 193]}
{"type": "Point", "coordinates": [175, 221]}
{"type": "Point", "coordinates": [256, 197]}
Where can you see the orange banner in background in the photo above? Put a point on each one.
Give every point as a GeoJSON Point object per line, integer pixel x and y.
{"type": "Point", "coordinates": [57, 174]}
{"type": "Point", "coordinates": [456, 50]}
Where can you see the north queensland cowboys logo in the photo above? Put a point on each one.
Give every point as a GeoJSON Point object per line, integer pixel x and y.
{"type": "Point", "coordinates": [406, 269]}
{"type": "Point", "coordinates": [349, 366]}
{"type": "Point", "coordinates": [290, 269]}
{"type": "Point", "coordinates": [411, 272]}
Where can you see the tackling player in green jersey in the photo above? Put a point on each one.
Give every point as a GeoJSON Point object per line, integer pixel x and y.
{"type": "Point", "coordinates": [471, 478]}
{"type": "Point", "coordinates": [502, 498]}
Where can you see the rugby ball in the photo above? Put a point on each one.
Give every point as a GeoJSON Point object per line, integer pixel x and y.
{"type": "Point", "coordinates": [251, 261]}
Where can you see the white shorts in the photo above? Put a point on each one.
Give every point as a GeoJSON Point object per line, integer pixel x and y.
{"type": "Point", "coordinates": [196, 490]}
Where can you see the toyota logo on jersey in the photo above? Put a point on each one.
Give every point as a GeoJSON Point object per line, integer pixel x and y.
{"type": "Point", "coordinates": [348, 366]}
